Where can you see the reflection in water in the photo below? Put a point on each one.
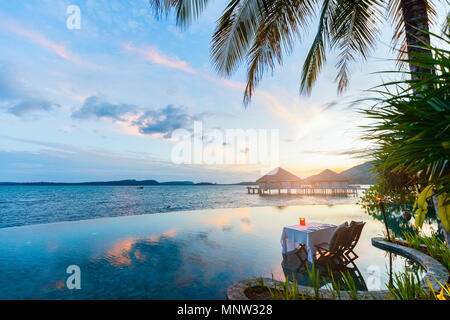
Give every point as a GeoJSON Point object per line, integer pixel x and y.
{"type": "Point", "coordinates": [292, 268]}
{"type": "Point", "coordinates": [180, 255]}
{"type": "Point", "coordinates": [124, 251]}
{"type": "Point", "coordinates": [398, 224]}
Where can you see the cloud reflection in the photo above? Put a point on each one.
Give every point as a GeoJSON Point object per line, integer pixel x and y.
{"type": "Point", "coordinates": [125, 251]}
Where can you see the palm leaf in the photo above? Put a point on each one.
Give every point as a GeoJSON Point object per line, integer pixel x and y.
{"type": "Point", "coordinates": [316, 55]}
{"type": "Point", "coordinates": [187, 11]}
{"type": "Point", "coordinates": [276, 33]}
{"type": "Point", "coordinates": [234, 33]}
{"type": "Point", "coordinates": [354, 32]}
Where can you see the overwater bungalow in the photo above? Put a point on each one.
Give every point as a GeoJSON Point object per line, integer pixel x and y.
{"type": "Point", "coordinates": [330, 183]}
{"type": "Point", "coordinates": [282, 181]}
{"type": "Point", "coordinates": [328, 179]}
{"type": "Point", "coordinates": [277, 179]}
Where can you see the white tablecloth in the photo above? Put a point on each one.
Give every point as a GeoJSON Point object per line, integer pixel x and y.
{"type": "Point", "coordinates": [311, 234]}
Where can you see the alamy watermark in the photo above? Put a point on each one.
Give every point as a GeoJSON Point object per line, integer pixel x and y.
{"type": "Point", "coordinates": [373, 281]}
{"type": "Point", "coordinates": [74, 17]}
{"type": "Point", "coordinates": [226, 147]}
{"type": "Point", "coordinates": [74, 280]}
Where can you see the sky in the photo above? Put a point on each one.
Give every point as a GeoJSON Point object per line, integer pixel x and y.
{"type": "Point", "coordinates": [102, 102]}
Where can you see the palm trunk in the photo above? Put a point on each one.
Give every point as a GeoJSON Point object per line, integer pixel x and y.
{"type": "Point", "coordinates": [415, 16]}
{"type": "Point", "coordinates": [444, 231]}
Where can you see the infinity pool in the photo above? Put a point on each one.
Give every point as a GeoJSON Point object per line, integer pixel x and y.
{"type": "Point", "coordinates": [177, 255]}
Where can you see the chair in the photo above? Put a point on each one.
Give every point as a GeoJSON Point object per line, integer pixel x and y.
{"type": "Point", "coordinates": [302, 255]}
{"type": "Point", "coordinates": [354, 235]}
{"type": "Point", "coordinates": [332, 253]}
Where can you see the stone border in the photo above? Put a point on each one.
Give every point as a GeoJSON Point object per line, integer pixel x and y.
{"type": "Point", "coordinates": [434, 271]}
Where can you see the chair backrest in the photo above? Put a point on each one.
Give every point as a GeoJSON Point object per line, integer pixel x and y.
{"type": "Point", "coordinates": [356, 229]}
{"type": "Point", "coordinates": [340, 240]}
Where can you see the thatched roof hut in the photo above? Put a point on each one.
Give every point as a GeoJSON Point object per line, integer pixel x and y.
{"type": "Point", "coordinates": [327, 176]}
{"type": "Point", "coordinates": [278, 175]}
{"type": "Point", "coordinates": [328, 179]}
{"type": "Point", "coordinates": [279, 178]}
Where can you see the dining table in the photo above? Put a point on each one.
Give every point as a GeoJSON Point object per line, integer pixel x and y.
{"type": "Point", "coordinates": [311, 234]}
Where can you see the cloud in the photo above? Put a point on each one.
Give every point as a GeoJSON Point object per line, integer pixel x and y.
{"type": "Point", "coordinates": [348, 152]}
{"type": "Point", "coordinates": [59, 162]}
{"type": "Point", "coordinates": [165, 120]}
{"type": "Point", "coordinates": [98, 107]}
{"type": "Point", "coordinates": [153, 55]}
{"type": "Point", "coordinates": [16, 98]}
{"type": "Point", "coordinates": [161, 121]}
{"type": "Point", "coordinates": [45, 43]}
{"type": "Point", "coordinates": [26, 106]}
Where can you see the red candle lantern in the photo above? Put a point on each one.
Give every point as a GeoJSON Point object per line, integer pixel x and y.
{"type": "Point", "coordinates": [302, 221]}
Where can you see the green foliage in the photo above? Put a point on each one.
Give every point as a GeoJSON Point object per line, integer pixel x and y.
{"type": "Point", "coordinates": [288, 290]}
{"type": "Point", "coordinates": [435, 247]}
{"type": "Point", "coordinates": [406, 286]}
{"type": "Point", "coordinates": [351, 285]}
{"type": "Point", "coordinates": [259, 33]}
{"type": "Point", "coordinates": [314, 276]}
{"type": "Point", "coordinates": [368, 199]}
{"type": "Point", "coordinates": [413, 239]}
{"type": "Point", "coordinates": [444, 209]}
{"type": "Point", "coordinates": [410, 129]}
{"type": "Point", "coordinates": [444, 292]}
{"type": "Point", "coordinates": [335, 285]}
{"type": "Point", "coordinates": [391, 234]}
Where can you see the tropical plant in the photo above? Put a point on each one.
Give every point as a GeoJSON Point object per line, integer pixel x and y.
{"type": "Point", "coordinates": [335, 285]}
{"type": "Point", "coordinates": [351, 285]}
{"type": "Point", "coordinates": [288, 290]}
{"type": "Point", "coordinates": [314, 276]}
{"type": "Point", "coordinates": [441, 201]}
{"type": "Point", "coordinates": [406, 286]}
{"type": "Point", "coordinates": [413, 239]}
{"type": "Point", "coordinates": [390, 195]}
{"type": "Point", "coordinates": [411, 129]}
{"type": "Point", "coordinates": [445, 290]}
{"type": "Point", "coordinates": [437, 249]}
{"type": "Point", "coordinates": [261, 32]}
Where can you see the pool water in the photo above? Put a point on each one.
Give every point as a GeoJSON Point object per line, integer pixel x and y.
{"type": "Point", "coordinates": [176, 255]}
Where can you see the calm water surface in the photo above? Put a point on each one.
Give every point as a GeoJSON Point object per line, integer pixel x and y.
{"type": "Point", "coordinates": [25, 205]}
{"type": "Point", "coordinates": [172, 255]}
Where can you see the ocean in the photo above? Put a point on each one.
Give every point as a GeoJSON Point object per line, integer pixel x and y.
{"type": "Point", "coordinates": [28, 205]}
{"type": "Point", "coordinates": [164, 242]}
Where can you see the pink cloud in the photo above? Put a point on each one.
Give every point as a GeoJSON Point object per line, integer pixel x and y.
{"type": "Point", "coordinates": [47, 44]}
{"type": "Point", "coordinates": [153, 55]}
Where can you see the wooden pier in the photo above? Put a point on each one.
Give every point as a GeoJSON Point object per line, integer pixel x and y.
{"type": "Point", "coordinates": [306, 191]}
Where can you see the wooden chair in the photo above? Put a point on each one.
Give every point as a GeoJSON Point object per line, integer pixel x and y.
{"type": "Point", "coordinates": [354, 235]}
{"type": "Point", "coordinates": [332, 253]}
{"type": "Point", "coordinates": [302, 255]}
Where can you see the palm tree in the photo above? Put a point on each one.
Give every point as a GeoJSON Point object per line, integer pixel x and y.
{"type": "Point", "coordinates": [260, 32]}
{"type": "Point", "coordinates": [411, 131]}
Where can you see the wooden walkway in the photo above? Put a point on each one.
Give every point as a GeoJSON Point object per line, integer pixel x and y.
{"type": "Point", "coordinates": [306, 191]}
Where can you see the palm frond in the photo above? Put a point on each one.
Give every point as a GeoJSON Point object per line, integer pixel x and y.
{"type": "Point", "coordinates": [186, 11]}
{"type": "Point", "coordinates": [412, 120]}
{"type": "Point", "coordinates": [276, 33]}
{"type": "Point", "coordinates": [316, 55]}
{"type": "Point", "coordinates": [234, 33]}
{"type": "Point", "coordinates": [354, 32]}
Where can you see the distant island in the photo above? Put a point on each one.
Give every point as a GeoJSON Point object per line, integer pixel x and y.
{"type": "Point", "coordinates": [357, 175]}
{"type": "Point", "coordinates": [128, 182]}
